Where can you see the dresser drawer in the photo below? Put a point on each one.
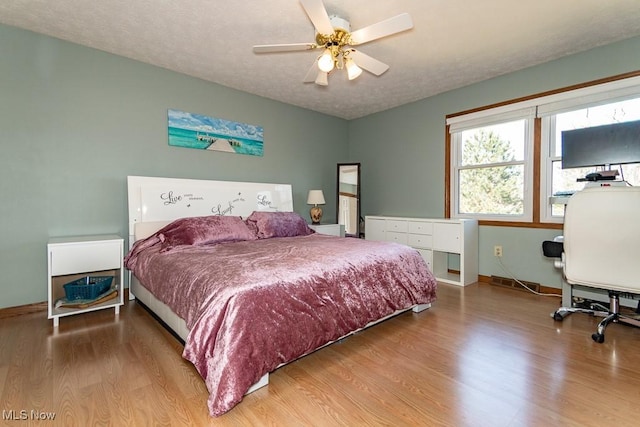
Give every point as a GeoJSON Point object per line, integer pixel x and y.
{"type": "Point", "coordinates": [420, 241]}
{"type": "Point", "coordinates": [396, 237]}
{"type": "Point", "coordinates": [419, 227]}
{"type": "Point", "coordinates": [77, 258]}
{"type": "Point", "coordinates": [374, 229]}
{"type": "Point", "coordinates": [396, 226]}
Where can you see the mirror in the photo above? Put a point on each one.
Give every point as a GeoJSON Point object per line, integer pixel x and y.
{"type": "Point", "coordinates": [348, 198]}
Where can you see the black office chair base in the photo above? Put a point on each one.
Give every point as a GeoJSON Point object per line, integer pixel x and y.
{"type": "Point", "coordinates": [611, 315]}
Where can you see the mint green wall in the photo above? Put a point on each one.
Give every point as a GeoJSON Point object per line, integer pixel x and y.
{"type": "Point", "coordinates": [402, 152]}
{"type": "Point", "coordinates": [74, 122]}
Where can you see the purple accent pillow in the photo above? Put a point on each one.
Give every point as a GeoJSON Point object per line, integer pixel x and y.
{"type": "Point", "coordinates": [278, 224]}
{"type": "Point", "coordinates": [204, 230]}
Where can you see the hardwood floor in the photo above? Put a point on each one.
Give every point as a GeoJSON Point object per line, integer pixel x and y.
{"type": "Point", "coordinates": [481, 356]}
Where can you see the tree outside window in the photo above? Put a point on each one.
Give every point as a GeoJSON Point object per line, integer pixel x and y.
{"type": "Point", "coordinates": [491, 170]}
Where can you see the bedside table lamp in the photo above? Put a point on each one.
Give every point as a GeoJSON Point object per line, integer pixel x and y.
{"type": "Point", "coordinates": [315, 198]}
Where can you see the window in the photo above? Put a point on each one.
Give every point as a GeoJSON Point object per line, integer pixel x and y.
{"type": "Point", "coordinates": [490, 170]}
{"type": "Point", "coordinates": [565, 180]}
{"type": "Point", "coordinates": [504, 158]}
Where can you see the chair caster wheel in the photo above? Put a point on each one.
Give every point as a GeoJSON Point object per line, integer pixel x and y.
{"type": "Point", "coordinates": [599, 338]}
{"type": "Point", "coordinates": [557, 317]}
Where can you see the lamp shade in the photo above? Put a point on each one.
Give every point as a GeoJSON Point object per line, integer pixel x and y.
{"type": "Point", "coordinates": [316, 197]}
{"type": "Point", "coordinates": [322, 79]}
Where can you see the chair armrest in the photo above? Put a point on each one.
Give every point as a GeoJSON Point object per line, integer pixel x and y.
{"type": "Point", "coordinates": [552, 249]}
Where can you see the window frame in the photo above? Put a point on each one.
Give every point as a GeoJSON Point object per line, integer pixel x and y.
{"type": "Point", "coordinates": [547, 155]}
{"type": "Point", "coordinates": [539, 179]}
{"type": "Point", "coordinates": [551, 145]}
{"type": "Point", "coordinates": [526, 162]}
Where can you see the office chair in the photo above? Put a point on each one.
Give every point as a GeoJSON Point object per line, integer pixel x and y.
{"type": "Point", "coordinates": [600, 248]}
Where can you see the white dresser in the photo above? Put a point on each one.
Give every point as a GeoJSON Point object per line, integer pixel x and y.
{"type": "Point", "coordinates": [441, 242]}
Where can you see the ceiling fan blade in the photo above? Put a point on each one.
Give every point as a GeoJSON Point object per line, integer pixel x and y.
{"type": "Point", "coordinates": [317, 76]}
{"type": "Point", "coordinates": [312, 73]}
{"type": "Point", "coordinates": [318, 15]}
{"type": "Point", "coordinates": [368, 63]}
{"type": "Point", "coordinates": [384, 28]}
{"type": "Point", "coordinates": [290, 47]}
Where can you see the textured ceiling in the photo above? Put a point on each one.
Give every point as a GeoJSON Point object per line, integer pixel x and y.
{"type": "Point", "coordinates": [453, 43]}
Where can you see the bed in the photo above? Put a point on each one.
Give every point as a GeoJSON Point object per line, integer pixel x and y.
{"type": "Point", "coordinates": [248, 286]}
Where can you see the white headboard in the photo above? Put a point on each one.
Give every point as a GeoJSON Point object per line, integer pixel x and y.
{"type": "Point", "coordinates": [165, 199]}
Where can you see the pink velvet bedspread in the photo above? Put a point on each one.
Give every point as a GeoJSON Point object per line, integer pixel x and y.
{"type": "Point", "coordinates": [251, 306]}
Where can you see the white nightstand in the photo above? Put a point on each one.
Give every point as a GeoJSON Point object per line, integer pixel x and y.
{"type": "Point", "coordinates": [331, 229]}
{"type": "Point", "coordinates": [72, 258]}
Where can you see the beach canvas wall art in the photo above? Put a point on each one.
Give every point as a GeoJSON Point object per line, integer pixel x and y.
{"type": "Point", "coordinates": [208, 133]}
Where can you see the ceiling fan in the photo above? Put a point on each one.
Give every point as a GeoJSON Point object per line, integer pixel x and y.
{"type": "Point", "coordinates": [333, 34]}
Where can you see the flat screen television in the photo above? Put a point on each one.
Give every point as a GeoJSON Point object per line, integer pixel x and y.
{"type": "Point", "coordinates": [614, 144]}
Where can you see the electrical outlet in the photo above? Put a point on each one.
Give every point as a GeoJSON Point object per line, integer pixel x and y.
{"type": "Point", "coordinates": [497, 251]}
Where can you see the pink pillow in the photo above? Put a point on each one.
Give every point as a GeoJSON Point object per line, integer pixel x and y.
{"type": "Point", "coordinates": [204, 230]}
{"type": "Point", "coordinates": [278, 224]}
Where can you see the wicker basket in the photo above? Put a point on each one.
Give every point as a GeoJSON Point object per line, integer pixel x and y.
{"type": "Point", "coordinates": [87, 288]}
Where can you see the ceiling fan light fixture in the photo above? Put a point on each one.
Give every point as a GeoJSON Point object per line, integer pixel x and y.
{"type": "Point", "coordinates": [353, 71]}
{"type": "Point", "coordinates": [333, 35]}
{"type": "Point", "coordinates": [322, 79]}
{"type": "Point", "coordinates": [326, 62]}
